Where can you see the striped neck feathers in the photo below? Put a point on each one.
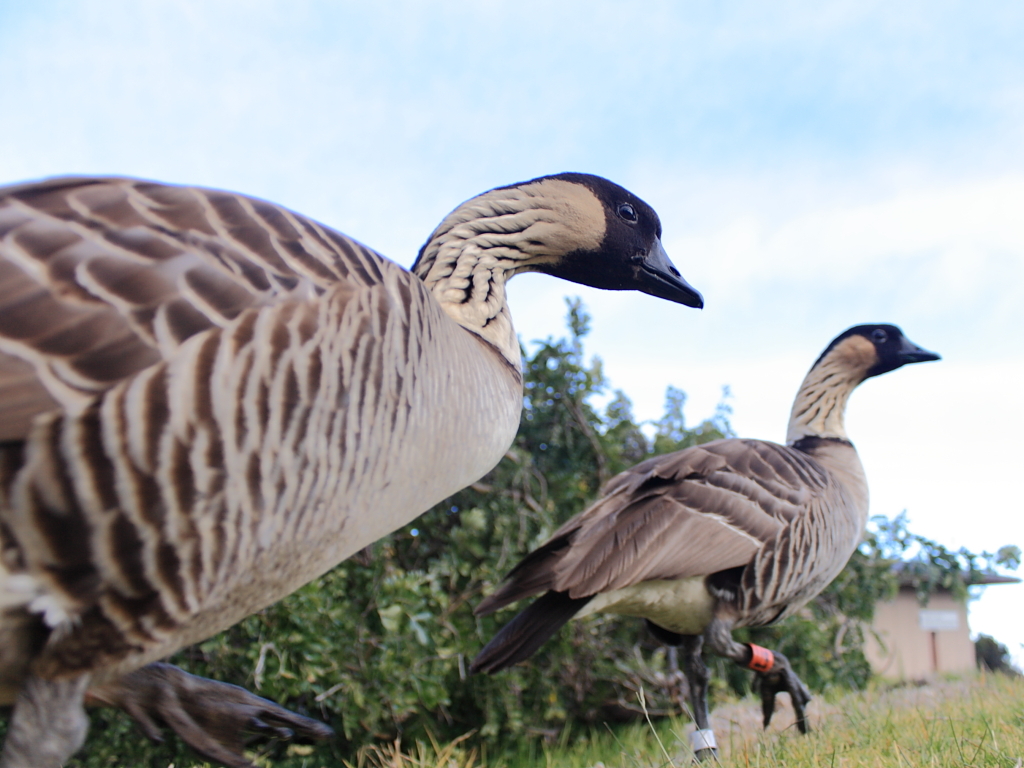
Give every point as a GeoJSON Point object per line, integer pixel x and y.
{"type": "Point", "coordinates": [490, 238]}
{"type": "Point", "coordinates": [820, 404]}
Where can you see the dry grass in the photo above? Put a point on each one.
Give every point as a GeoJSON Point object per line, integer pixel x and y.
{"type": "Point", "coordinates": [974, 722]}
{"type": "Point", "coordinates": [433, 755]}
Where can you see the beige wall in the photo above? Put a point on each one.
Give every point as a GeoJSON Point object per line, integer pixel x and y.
{"type": "Point", "coordinates": [913, 653]}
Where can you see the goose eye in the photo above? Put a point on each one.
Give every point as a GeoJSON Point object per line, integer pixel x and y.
{"type": "Point", "coordinates": [879, 336]}
{"type": "Point", "coordinates": [626, 211]}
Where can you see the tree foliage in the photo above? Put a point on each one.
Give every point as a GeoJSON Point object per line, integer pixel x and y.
{"type": "Point", "coordinates": [993, 656]}
{"type": "Point", "coordinates": [379, 647]}
{"type": "Point", "coordinates": [928, 565]}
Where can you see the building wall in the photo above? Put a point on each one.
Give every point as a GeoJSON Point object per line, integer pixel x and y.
{"type": "Point", "coordinates": [920, 642]}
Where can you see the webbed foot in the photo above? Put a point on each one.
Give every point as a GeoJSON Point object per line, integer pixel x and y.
{"type": "Point", "coordinates": [211, 717]}
{"type": "Point", "coordinates": [781, 677]}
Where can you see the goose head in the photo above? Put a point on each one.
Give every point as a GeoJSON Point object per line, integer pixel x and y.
{"type": "Point", "coordinates": [618, 241]}
{"type": "Point", "coordinates": [576, 226]}
{"type": "Point", "coordinates": [851, 358]}
{"type": "Point", "coordinates": [870, 350]}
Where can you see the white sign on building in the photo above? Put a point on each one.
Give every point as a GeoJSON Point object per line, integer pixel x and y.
{"type": "Point", "coordinates": [938, 621]}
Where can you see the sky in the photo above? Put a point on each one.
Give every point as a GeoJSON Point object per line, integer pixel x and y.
{"type": "Point", "coordinates": [816, 165]}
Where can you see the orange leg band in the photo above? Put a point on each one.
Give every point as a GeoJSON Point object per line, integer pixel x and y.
{"type": "Point", "coordinates": [761, 659]}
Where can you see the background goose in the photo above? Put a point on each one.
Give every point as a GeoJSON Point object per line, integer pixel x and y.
{"type": "Point", "coordinates": [728, 534]}
{"type": "Point", "coordinates": [207, 400]}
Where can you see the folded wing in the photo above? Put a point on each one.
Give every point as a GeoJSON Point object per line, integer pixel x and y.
{"type": "Point", "coordinates": [691, 513]}
{"type": "Point", "coordinates": [101, 278]}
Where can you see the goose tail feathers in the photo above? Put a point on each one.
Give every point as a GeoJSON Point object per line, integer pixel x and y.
{"type": "Point", "coordinates": [528, 631]}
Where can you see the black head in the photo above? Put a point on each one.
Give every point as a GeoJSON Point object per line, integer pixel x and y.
{"type": "Point", "coordinates": [629, 255]}
{"type": "Point", "coordinates": [889, 349]}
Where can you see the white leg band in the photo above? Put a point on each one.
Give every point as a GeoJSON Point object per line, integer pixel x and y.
{"type": "Point", "coordinates": [703, 740]}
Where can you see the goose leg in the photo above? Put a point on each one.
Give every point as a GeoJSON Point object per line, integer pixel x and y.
{"type": "Point", "coordinates": [702, 740]}
{"type": "Point", "coordinates": [675, 681]}
{"type": "Point", "coordinates": [48, 724]}
{"type": "Point", "coordinates": [773, 669]}
{"type": "Point", "coordinates": [211, 717]}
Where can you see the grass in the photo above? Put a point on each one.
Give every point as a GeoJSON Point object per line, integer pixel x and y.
{"type": "Point", "coordinates": [976, 721]}
{"type": "Point", "coordinates": [966, 723]}
{"type": "Point", "coordinates": [591, 750]}
{"type": "Point", "coordinates": [433, 755]}
{"type": "Point", "coordinates": [971, 722]}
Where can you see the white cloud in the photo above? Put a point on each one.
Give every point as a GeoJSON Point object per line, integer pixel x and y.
{"type": "Point", "coordinates": [953, 226]}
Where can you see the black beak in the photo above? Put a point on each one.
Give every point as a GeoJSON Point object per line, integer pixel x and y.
{"type": "Point", "coordinates": [657, 276]}
{"type": "Point", "coordinates": [911, 353]}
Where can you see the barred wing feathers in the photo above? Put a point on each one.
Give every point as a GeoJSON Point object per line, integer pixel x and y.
{"type": "Point", "coordinates": [101, 278]}
{"type": "Point", "coordinates": [691, 513]}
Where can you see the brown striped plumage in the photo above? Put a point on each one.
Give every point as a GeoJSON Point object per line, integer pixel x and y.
{"type": "Point", "coordinates": [728, 534]}
{"type": "Point", "coordinates": [208, 400]}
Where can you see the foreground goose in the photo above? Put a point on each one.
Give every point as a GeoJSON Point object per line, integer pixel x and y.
{"type": "Point", "coordinates": [207, 400]}
{"type": "Point", "coordinates": [733, 533]}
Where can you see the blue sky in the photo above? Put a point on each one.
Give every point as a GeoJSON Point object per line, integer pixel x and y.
{"type": "Point", "coordinates": [816, 165]}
